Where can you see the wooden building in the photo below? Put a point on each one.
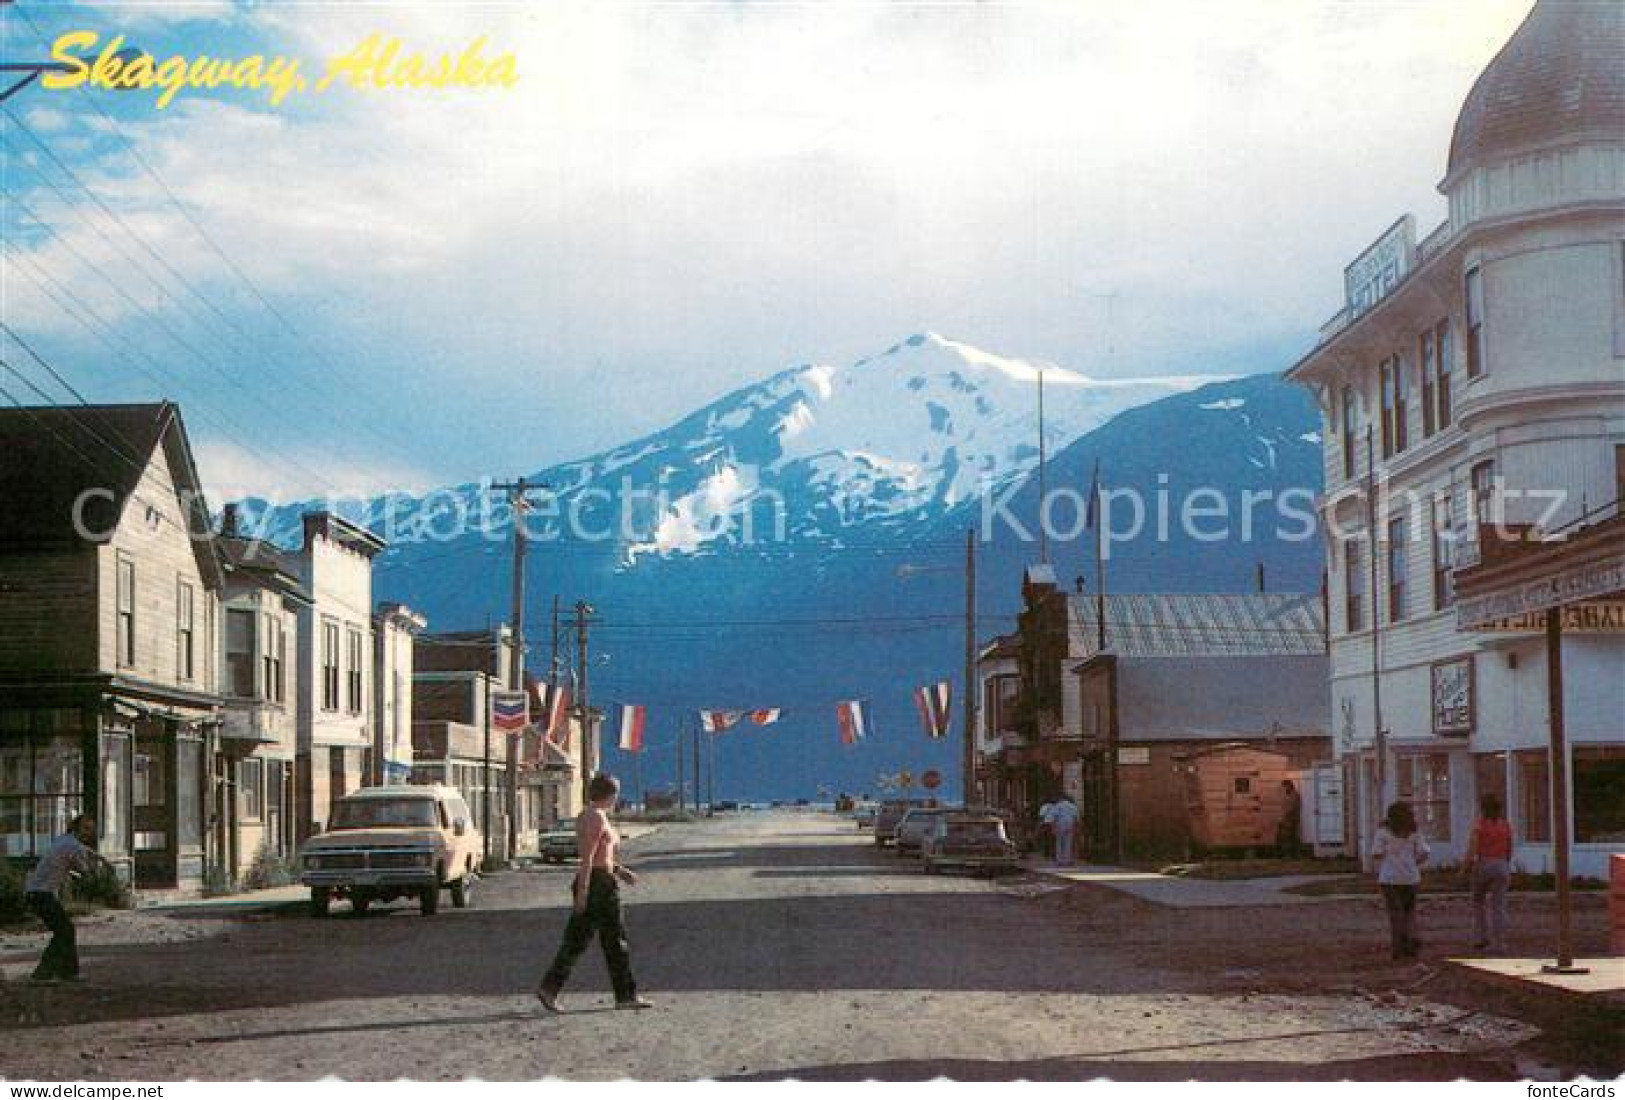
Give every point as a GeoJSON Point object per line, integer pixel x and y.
{"type": "Point", "coordinates": [1114, 724]}
{"type": "Point", "coordinates": [261, 603]}
{"type": "Point", "coordinates": [108, 638]}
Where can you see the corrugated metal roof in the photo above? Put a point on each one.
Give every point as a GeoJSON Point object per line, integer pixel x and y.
{"type": "Point", "coordinates": [1228, 625]}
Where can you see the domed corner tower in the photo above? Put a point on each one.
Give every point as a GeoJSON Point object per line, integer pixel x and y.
{"type": "Point", "coordinates": [1544, 124]}
{"type": "Point", "coordinates": [1536, 187]}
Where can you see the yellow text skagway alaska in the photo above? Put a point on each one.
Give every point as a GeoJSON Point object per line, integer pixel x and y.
{"type": "Point", "coordinates": [377, 62]}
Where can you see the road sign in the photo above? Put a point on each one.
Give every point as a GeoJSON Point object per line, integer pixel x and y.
{"type": "Point", "coordinates": [931, 780]}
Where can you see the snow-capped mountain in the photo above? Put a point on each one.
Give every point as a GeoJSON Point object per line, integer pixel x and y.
{"type": "Point", "coordinates": [862, 599]}
{"type": "Point", "coordinates": [891, 441]}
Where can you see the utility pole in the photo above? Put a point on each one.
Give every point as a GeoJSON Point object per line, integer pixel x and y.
{"type": "Point", "coordinates": [1043, 486]}
{"type": "Point", "coordinates": [486, 680]}
{"type": "Point", "coordinates": [516, 491]}
{"type": "Point", "coordinates": [971, 787]}
{"type": "Point", "coordinates": [553, 668]}
{"type": "Point", "coordinates": [682, 786]}
{"type": "Point", "coordinates": [1374, 544]}
{"type": "Point", "coordinates": [583, 614]}
{"type": "Point", "coordinates": [696, 767]}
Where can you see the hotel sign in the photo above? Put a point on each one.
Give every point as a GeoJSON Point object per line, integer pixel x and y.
{"type": "Point", "coordinates": [1453, 697]}
{"type": "Point", "coordinates": [1377, 270]}
{"type": "Point", "coordinates": [1582, 583]}
{"type": "Point", "coordinates": [1592, 617]}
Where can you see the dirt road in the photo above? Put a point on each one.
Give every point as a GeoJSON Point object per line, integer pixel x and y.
{"type": "Point", "coordinates": [775, 944]}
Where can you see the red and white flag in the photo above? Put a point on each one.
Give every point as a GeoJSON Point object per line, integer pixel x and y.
{"type": "Point", "coordinates": [766, 716]}
{"type": "Point", "coordinates": [631, 728]}
{"type": "Point", "coordinates": [556, 716]}
{"type": "Point", "coordinates": [934, 702]}
{"type": "Point", "coordinates": [853, 718]}
{"type": "Point", "coordinates": [715, 721]}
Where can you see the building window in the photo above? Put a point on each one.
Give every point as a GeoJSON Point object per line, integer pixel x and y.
{"type": "Point", "coordinates": [1476, 366]}
{"type": "Point", "coordinates": [1442, 351]}
{"type": "Point", "coordinates": [1353, 588]}
{"type": "Point", "coordinates": [1619, 480]}
{"type": "Point", "coordinates": [1482, 479]}
{"type": "Point", "coordinates": [1534, 822]}
{"type": "Point", "coordinates": [999, 705]}
{"type": "Point", "coordinates": [1428, 365]}
{"type": "Point", "coordinates": [353, 671]}
{"type": "Point", "coordinates": [1444, 554]}
{"type": "Point", "coordinates": [185, 631]}
{"type": "Point", "coordinates": [1423, 780]}
{"type": "Point", "coordinates": [1398, 556]}
{"type": "Point", "coordinates": [1599, 794]}
{"type": "Point", "coordinates": [240, 653]}
{"type": "Point", "coordinates": [1394, 404]}
{"type": "Point", "coordinates": [330, 666]}
{"type": "Point", "coordinates": [126, 612]}
{"type": "Point", "coordinates": [251, 789]}
{"type": "Point", "coordinates": [41, 787]}
{"type": "Point", "coordinates": [1348, 431]}
{"type": "Point", "coordinates": [273, 659]}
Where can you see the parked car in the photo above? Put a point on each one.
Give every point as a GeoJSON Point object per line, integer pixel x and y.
{"type": "Point", "coordinates": [970, 840]}
{"type": "Point", "coordinates": [384, 843]}
{"type": "Point", "coordinates": [916, 823]}
{"type": "Point", "coordinates": [557, 843]}
{"type": "Point", "coordinates": [891, 811]}
{"type": "Point", "coordinates": [865, 816]}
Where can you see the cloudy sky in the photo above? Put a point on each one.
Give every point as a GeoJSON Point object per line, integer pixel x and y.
{"type": "Point", "coordinates": [364, 290]}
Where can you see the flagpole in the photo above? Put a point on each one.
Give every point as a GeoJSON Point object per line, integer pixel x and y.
{"type": "Point", "coordinates": [637, 773]}
{"type": "Point", "coordinates": [682, 782]}
{"type": "Point", "coordinates": [711, 776]}
{"type": "Point", "coordinates": [1100, 565]}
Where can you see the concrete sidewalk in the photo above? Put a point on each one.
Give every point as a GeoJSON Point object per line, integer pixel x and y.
{"type": "Point", "coordinates": [1604, 980]}
{"type": "Point", "coordinates": [288, 895]}
{"type": "Point", "coordinates": [1182, 893]}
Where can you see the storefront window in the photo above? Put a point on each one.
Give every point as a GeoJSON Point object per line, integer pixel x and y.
{"type": "Point", "coordinates": [1424, 782]}
{"type": "Point", "coordinates": [251, 789]}
{"type": "Point", "coordinates": [41, 786]}
{"type": "Point", "coordinates": [115, 793]}
{"type": "Point", "coordinates": [1599, 794]}
{"type": "Point", "coordinates": [147, 778]}
{"type": "Point", "coordinates": [1534, 824]}
{"type": "Point", "coordinates": [188, 780]}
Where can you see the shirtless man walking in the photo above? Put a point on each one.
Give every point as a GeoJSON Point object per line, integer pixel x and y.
{"type": "Point", "coordinates": [597, 894]}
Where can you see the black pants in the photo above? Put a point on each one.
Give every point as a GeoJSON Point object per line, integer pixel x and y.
{"type": "Point", "coordinates": [603, 915]}
{"type": "Point", "coordinates": [1401, 903]}
{"type": "Point", "coordinates": [61, 958]}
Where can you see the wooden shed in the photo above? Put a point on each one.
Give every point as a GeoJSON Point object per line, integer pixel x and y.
{"type": "Point", "coordinates": [1233, 795]}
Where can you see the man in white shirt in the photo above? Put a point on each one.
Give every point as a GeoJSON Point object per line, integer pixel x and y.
{"type": "Point", "coordinates": [68, 853]}
{"type": "Point", "coordinates": [1064, 820]}
{"type": "Point", "coordinates": [1046, 828]}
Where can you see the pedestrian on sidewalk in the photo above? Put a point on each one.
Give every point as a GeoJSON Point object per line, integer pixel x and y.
{"type": "Point", "coordinates": [1400, 853]}
{"type": "Point", "coordinates": [68, 854]}
{"type": "Point", "coordinates": [1489, 866]}
{"type": "Point", "coordinates": [596, 894]}
{"type": "Point", "coordinates": [1064, 824]}
{"type": "Point", "coordinates": [1046, 829]}
{"type": "Point", "coordinates": [1287, 844]}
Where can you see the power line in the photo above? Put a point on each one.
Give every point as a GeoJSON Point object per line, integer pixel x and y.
{"type": "Point", "coordinates": [208, 238]}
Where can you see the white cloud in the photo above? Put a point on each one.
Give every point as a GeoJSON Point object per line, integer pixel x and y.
{"type": "Point", "coordinates": [680, 198]}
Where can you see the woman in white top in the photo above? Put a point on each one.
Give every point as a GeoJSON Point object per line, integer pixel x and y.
{"type": "Point", "coordinates": [1400, 853]}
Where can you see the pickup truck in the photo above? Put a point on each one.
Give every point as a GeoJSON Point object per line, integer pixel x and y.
{"type": "Point", "coordinates": [384, 843]}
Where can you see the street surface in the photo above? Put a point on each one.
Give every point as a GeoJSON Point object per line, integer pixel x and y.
{"type": "Point", "coordinates": [774, 944]}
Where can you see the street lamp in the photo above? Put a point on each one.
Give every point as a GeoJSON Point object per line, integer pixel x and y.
{"type": "Point", "coordinates": [907, 571]}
